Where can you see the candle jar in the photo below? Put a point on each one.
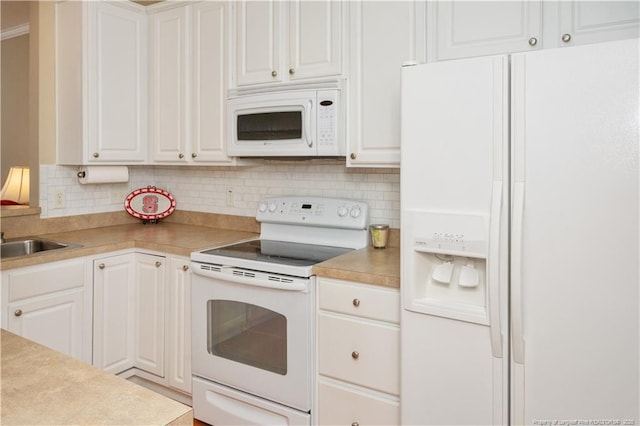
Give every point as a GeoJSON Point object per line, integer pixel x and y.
{"type": "Point", "coordinates": [379, 235]}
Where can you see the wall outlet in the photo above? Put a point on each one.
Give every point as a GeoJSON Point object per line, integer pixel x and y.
{"type": "Point", "coordinates": [59, 199]}
{"type": "Point", "coordinates": [230, 197]}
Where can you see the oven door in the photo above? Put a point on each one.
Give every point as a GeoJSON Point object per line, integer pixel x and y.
{"type": "Point", "coordinates": [253, 332]}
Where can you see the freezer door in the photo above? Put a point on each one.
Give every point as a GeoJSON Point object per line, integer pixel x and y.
{"type": "Point", "coordinates": [574, 272]}
{"type": "Point", "coordinates": [454, 240]}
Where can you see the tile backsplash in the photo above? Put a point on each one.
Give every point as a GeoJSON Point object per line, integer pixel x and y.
{"type": "Point", "coordinates": [206, 189]}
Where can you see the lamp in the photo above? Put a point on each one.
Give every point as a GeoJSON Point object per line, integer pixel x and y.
{"type": "Point", "coordinates": [16, 187]}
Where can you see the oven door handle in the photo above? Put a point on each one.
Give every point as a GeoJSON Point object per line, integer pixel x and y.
{"type": "Point", "coordinates": [250, 281]}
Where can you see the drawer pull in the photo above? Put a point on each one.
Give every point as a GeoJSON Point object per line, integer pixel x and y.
{"type": "Point", "coordinates": [18, 312]}
{"type": "Point", "coordinates": [356, 302]}
{"type": "Point", "coordinates": [355, 354]}
{"type": "Point", "coordinates": [355, 424]}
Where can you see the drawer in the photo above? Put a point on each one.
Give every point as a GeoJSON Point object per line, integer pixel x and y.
{"type": "Point", "coordinates": [362, 300]}
{"type": "Point", "coordinates": [359, 351]}
{"type": "Point", "coordinates": [340, 404]}
{"type": "Point", "coordinates": [43, 279]}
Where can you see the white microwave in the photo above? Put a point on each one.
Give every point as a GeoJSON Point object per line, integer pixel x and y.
{"type": "Point", "coordinates": [295, 123]}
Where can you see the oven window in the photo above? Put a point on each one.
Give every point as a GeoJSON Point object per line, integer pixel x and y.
{"type": "Point", "coordinates": [270, 126]}
{"type": "Point", "coordinates": [248, 334]}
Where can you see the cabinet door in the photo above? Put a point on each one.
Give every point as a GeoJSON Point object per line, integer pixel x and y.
{"type": "Point", "coordinates": [476, 28]}
{"type": "Point", "coordinates": [209, 77]}
{"type": "Point", "coordinates": [149, 308]}
{"type": "Point", "coordinates": [168, 65]}
{"type": "Point", "coordinates": [315, 35]}
{"type": "Point", "coordinates": [179, 324]}
{"type": "Point", "coordinates": [117, 79]}
{"type": "Point", "coordinates": [113, 310]}
{"type": "Point", "coordinates": [377, 55]}
{"type": "Point", "coordinates": [584, 22]}
{"type": "Point", "coordinates": [259, 37]}
{"type": "Point", "coordinates": [49, 304]}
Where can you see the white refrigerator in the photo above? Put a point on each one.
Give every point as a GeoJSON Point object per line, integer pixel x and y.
{"type": "Point", "coordinates": [520, 234]}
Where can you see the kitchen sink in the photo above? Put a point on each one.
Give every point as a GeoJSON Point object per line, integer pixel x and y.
{"type": "Point", "coordinates": [25, 247]}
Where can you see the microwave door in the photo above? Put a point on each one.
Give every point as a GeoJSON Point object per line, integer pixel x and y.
{"type": "Point", "coordinates": [274, 130]}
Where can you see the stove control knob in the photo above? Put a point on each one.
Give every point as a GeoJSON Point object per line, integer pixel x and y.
{"type": "Point", "coordinates": [273, 207]}
{"type": "Point", "coordinates": [342, 211]}
{"type": "Point", "coordinates": [355, 212]}
{"type": "Point", "coordinates": [263, 207]}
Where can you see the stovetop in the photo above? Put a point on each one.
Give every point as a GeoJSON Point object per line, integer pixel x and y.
{"type": "Point", "coordinates": [296, 233]}
{"type": "Point", "coordinates": [279, 257]}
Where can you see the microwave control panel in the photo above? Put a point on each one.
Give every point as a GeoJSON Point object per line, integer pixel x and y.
{"type": "Point", "coordinates": [327, 118]}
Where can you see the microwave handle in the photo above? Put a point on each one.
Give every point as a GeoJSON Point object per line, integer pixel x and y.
{"type": "Point", "coordinates": [308, 122]}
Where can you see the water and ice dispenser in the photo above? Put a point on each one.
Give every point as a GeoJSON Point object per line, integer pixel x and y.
{"type": "Point", "coordinates": [446, 265]}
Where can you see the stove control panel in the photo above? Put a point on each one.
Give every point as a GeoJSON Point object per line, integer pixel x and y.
{"type": "Point", "coordinates": [314, 211]}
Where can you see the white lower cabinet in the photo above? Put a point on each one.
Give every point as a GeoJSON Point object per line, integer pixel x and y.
{"type": "Point", "coordinates": [358, 353]}
{"type": "Point", "coordinates": [50, 304]}
{"type": "Point", "coordinates": [179, 323]}
{"type": "Point", "coordinates": [142, 317]}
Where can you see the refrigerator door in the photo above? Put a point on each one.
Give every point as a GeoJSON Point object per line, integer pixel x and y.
{"type": "Point", "coordinates": [574, 271]}
{"type": "Point", "coordinates": [454, 211]}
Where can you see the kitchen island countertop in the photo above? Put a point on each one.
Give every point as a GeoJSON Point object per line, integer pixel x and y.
{"type": "Point", "coordinates": [42, 386]}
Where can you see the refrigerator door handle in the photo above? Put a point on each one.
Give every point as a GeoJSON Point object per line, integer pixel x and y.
{"type": "Point", "coordinates": [516, 273]}
{"type": "Point", "coordinates": [494, 270]}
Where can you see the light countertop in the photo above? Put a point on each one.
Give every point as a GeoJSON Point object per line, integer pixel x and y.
{"type": "Point", "coordinates": [368, 265]}
{"type": "Point", "coordinates": [42, 386]}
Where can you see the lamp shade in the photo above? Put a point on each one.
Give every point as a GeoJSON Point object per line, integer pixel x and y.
{"type": "Point", "coordinates": [16, 187]}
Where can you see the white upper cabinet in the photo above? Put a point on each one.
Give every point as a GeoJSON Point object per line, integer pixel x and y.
{"type": "Point", "coordinates": [459, 29]}
{"type": "Point", "coordinates": [474, 28]}
{"type": "Point", "coordinates": [101, 80]}
{"type": "Point", "coordinates": [582, 22]}
{"type": "Point", "coordinates": [188, 58]}
{"type": "Point", "coordinates": [168, 94]}
{"type": "Point", "coordinates": [383, 36]}
{"type": "Point", "coordinates": [209, 64]}
{"type": "Point", "coordinates": [277, 41]}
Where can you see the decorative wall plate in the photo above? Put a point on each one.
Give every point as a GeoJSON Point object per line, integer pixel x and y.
{"type": "Point", "coordinates": [150, 203]}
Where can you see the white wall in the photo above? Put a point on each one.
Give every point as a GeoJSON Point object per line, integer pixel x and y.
{"type": "Point", "coordinates": [204, 189]}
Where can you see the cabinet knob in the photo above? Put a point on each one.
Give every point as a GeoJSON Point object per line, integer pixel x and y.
{"type": "Point", "coordinates": [355, 354]}
{"type": "Point", "coordinates": [158, 264]}
{"type": "Point", "coordinates": [566, 38]}
{"type": "Point", "coordinates": [194, 155]}
{"type": "Point", "coordinates": [355, 424]}
{"type": "Point", "coordinates": [96, 154]}
{"type": "Point", "coordinates": [101, 266]}
{"type": "Point", "coordinates": [274, 73]}
{"type": "Point", "coordinates": [356, 302]}
{"type": "Point", "coordinates": [185, 267]}
{"type": "Point", "coordinates": [292, 71]}
{"type": "Point", "coordinates": [533, 41]}
{"type": "Point", "coordinates": [353, 156]}
{"type": "Point", "coordinates": [181, 156]}
{"type": "Point", "coordinates": [18, 312]}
